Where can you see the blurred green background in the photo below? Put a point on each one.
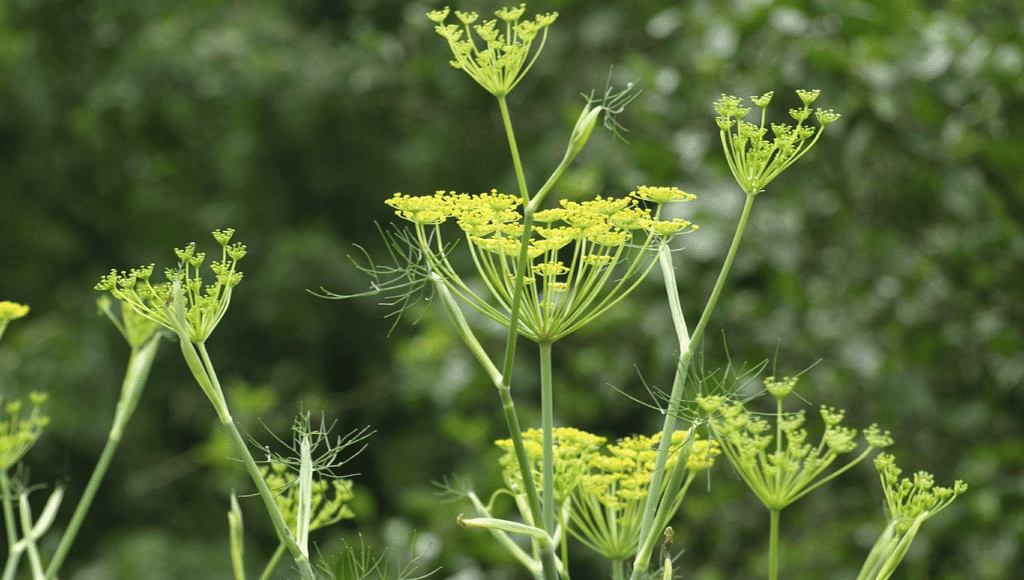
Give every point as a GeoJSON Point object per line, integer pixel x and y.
{"type": "Point", "coordinates": [891, 256]}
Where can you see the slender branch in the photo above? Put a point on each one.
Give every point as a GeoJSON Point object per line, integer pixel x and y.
{"type": "Point", "coordinates": [504, 389]}
{"type": "Point", "coordinates": [140, 362]}
{"type": "Point", "coordinates": [648, 532]}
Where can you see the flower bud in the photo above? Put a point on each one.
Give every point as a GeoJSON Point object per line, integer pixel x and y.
{"type": "Point", "coordinates": [584, 127]}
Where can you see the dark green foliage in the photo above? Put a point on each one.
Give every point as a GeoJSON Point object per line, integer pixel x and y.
{"type": "Point", "coordinates": [893, 252]}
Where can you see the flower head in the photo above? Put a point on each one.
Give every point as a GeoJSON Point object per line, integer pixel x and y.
{"type": "Point", "coordinates": [573, 449]}
{"type": "Point", "coordinates": [329, 497]}
{"type": "Point", "coordinates": [19, 433]}
{"type": "Point", "coordinates": [608, 505]}
{"type": "Point", "coordinates": [202, 306]}
{"type": "Point", "coordinates": [753, 158]}
{"type": "Point", "coordinates": [911, 501]}
{"type": "Point", "coordinates": [777, 462]}
{"type": "Point", "coordinates": [11, 310]}
{"type": "Point", "coordinates": [572, 275]}
{"type": "Point", "coordinates": [908, 503]}
{"type": "Point", "coordinates": [504, 57]}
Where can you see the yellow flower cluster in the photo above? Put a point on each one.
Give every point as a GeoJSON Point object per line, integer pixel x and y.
{"type": "Point", "coordinates": [574, 450]}
{"type": "Point", "coordinates": [204, 305]}
{"type": "Point", "coordinates": [605, 491]}
{"type": "Point", "coordinates": [623, 476]}
{"type": "Point", "coordinates": [572, 251]}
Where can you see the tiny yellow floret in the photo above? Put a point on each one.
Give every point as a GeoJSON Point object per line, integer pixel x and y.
{"type": "Point", "coordinates": [661, 195]}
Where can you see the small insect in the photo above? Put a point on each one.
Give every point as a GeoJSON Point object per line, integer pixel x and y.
{"type": "Point", "coordinates": [670, 534]}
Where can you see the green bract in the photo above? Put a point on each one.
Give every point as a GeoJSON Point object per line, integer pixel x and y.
{"type": "Point", "coordinates": [573, 252]}
{"type": "Point", "coordinates": [203, 306]}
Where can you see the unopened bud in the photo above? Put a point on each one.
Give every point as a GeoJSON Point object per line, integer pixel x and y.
{"type": "Point", "coordinates": [584, 127]}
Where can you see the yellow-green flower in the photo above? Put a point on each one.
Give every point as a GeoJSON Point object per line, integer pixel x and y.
{"type": "Point", "coordinates": [753, 158]}
{"type": "Point", "coordinates": [504, 58]}
{"type": "Point", "coordinates": [908, 503]}
{"type": "Point", "coordinates": [573, 450]}
{"type": "Point", "coordinates": [328, 499]}
{"type": "Point", "coordinates": [571, 277]}
{"type": "Point", "coordinates": [17, 433]}
{"type": "Point", "coordinates": [204, 305]}
{"type": "Point", "coordinates": [10, 311]}
{"type": "Point", "coordinates": [608, 504]}
{"type": "Point", "coordinates": [661, 195]}
{"type": "Point", "coordinates": [776, 461]}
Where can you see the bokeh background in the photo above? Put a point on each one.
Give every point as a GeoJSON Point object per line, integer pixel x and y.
{"type": "Point", "coordinates": [890, 258]}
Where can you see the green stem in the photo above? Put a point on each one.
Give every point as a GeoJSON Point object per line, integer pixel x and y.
{"type": "Point", "coordinates": [773, 546]}
{"type": "Point", "coordinates": [648, 532]}
{"type": "Point", "coordinates": [504, 389]}
{"type": "Point", "coordinates": [464, 331]}
{"type": "Point", "coordinates": [13, 556]}
{"type": "Point", "coordinates": [617, 570]}
{"type": "Point", "coordinates": [204, 373]}
{"type": "Point", "coordinates": [273, 561]}
{"type": "Point", "coordinates": [547, 436]}
{"type": "Point", "coordinates": [517, 296]}
{"type": "Point", "coordinates": [29, 537]}
{"type": "Point", "coordinates": [720, 283]}
{"type": "Point", "coordinates": [140, 362]}
{"type": "Point", "coordinates": [212, 385]}
{"type": "Point", "coordinates": [502, 537]}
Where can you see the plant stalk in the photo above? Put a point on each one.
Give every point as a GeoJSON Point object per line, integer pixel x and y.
{"type": "Point", "coordinates": [648, 532]}
{"type": "Point", "coordinates": [504, 389]}
{"type": "Point", "coordinates": [140, 362]}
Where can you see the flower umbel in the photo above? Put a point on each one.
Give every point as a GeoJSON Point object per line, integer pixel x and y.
{"type": "Point", "coordinates": [204, 306]}
{"type": "Point", "coordinates": [908, 503]}
{"type": "Point", "coordinates": [755, 160]}
{"type": "Point", "coordinates": [607, 508]}
{"type": "Point", "coordinates": [776, 462]}
{"type": "Point", "coordinates": [573, 450]}
{"type": "Point", "coordinates": [17, 433]}
{"type": "Point", "coordinates": [573, 251]}
{"type": "Point", "coordinates": [505, 56]}
{"type": "Point", "coordinates": [328, 497]}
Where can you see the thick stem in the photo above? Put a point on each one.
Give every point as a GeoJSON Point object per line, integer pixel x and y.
{"type": "Point", "coordinates": [547, 435]}
{"type": "Point", "coordinates": [139, 364]}
{"type": "Point", "coordinates": [773, 546]}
